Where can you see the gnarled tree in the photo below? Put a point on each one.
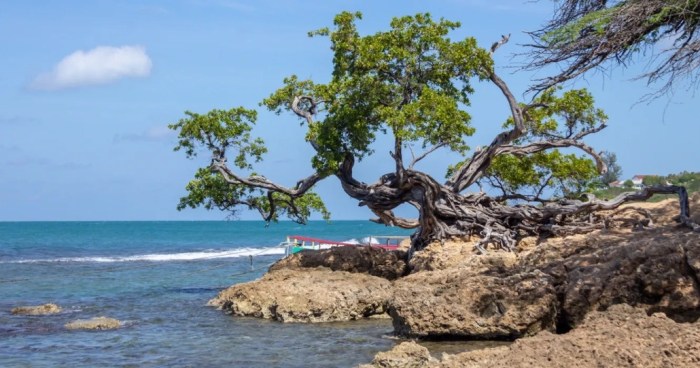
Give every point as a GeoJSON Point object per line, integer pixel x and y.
{"type": "Point", "coordinates": [413, 83]}
{"type": "Point", "coordinates": [590, 34]}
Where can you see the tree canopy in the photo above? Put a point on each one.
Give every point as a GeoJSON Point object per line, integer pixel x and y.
{"type": "Point", "coordinates": [589, 34]}
{"type": "Point", "coordinates": [412, 83]}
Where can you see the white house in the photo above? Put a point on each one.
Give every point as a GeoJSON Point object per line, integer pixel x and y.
{"type": "Point", "coordinates": [637, 180]}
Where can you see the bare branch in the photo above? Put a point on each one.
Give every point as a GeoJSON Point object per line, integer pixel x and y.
{"type": "Point", "coordinates": [595, 34]}
{"type": "Point", "coordinates": [499, 43]}
{"type": "Point", "coordinates": [425, 154]}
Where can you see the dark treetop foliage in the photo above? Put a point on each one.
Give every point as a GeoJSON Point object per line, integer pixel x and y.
{"type": "Point", "coordinates": [588, 34]}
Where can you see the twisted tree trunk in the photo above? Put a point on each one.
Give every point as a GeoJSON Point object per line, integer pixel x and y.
{"type": "Point", "coordinates": [444, 214]}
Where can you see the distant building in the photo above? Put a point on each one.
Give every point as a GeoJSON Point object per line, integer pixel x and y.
{"type": "Point", "coordinates": [637, 180]}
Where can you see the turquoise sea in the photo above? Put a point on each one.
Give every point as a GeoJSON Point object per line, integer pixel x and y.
{"type": "Point", "coordinates": [157, 278]}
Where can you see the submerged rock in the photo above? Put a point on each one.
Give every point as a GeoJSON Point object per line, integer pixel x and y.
{"type": "Point", "coordinates": [37, 310]}
{"type": "Point", "coordinates": [96, 323]}
{"type": "Point", "coordinates": [457, 303]}
{"type": "Point", "coordinates": [307, 295]}
{"type": "Point", "coordinates": [373, 261]}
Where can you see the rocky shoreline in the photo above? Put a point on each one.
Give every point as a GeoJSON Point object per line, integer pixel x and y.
{"type": "Point", "coordinates": [591, 290]}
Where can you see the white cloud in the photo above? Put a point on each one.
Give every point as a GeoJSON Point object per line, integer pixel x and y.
{"type": "Point", "coordinates": [101, 65]}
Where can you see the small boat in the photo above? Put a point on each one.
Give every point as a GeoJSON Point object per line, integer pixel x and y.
{"type": "Point", "coordinates": [297, 243]}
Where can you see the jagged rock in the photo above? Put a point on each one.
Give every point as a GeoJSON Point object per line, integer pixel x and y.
{"type": "Point", "coordinates": [656, 269]}
{"type": "Point", "coordinates": [97, 323]}
{"type": "Point", "coordinates": [374, 261]}
{"type": "Point", "coordinates": [307, 295]}
{"type": "Point", "coordinates": [37, 310]}
{"type": "Point", "coordinates": [620, 337]}
{"type": "Point", "coordinates": [405, 355]}
{"type": "Point", "coordinates": [458, 303]}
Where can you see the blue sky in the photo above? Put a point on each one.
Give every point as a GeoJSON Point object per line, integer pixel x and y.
{"type": "Point", "coordinates": [88, 87]}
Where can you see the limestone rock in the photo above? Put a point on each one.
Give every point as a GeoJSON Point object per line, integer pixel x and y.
{"type": "Point", "coordinates": [461, 254]}
{"type": "Point", "coordinates": [405, 355]}
{"type": "Point", "coordinates": [620, 337]}
{"type": "Point", "coordinates": [457, 303]}
{"type": "Point", "coordinates": [656, 269]}
{"type": "Point", "coordinates": [37, 310]}
{"type": "Point", "coordinates": [97, 323]}
{"type": "Point", "coordinates": [307, 295]}
{"type": "Point", "coordinates": [373, 261]}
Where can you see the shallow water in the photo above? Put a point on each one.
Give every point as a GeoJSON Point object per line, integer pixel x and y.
{"type": "Point", "coordinates": [157, 278]}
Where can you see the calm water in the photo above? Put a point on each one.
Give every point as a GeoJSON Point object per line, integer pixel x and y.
{"type": "Point", "coordinates": [157, 278]}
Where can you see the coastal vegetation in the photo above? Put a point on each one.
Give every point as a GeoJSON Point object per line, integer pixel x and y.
{"type": "Point", "coordinates": [689, 180]}
{"type": "Point", "coordinates": [413, 84]}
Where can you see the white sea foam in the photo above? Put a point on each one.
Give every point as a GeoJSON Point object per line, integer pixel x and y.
{"type": "Point", "coordinates": [369, 240]}
{"type": "Point", "coordinates": [163, 257]}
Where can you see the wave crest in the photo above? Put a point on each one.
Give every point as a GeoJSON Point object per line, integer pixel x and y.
{"type": "Point", "coordinates": [162, 257]}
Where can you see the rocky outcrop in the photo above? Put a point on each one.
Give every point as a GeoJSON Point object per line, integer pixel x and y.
{"type": "Point", "coordinates": [307, 295]}
{"type": "Point", "coordinates": [458, 303]}
{"type": "Point", "coordinates": [460, 294]}
{"type": "Point", "coordinates": [373, 261]}
{"type": "Point", "coordinates": [452, 292]}
{"type": "Point", "coordinates": [37, 310]}
{"type": "Point", "coordinates": [655, 269]}
{"type": "Point", "coordinates": [97, 323]}
{"type": "Point", "coordinates": [622, 336]}
{"type": "Point", "coordinates": [405, 355]}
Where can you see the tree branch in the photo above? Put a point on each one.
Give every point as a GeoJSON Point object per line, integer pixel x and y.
{"type": "Point", "coordinates": [388, 218]}
{"type": "Point", "coordinates": [470, 172]}
{"type": "Point", "coordinates": [260, 182]}
{"type": "Point", "coordinates": [307, 113]}
{"type": "Point", "coordinates": [425, 154]}
{"type": "Point", "coordinates": [540, 146]}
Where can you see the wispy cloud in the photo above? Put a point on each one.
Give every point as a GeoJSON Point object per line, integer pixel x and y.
{"type": "Point", "coordinates": [44, 162]}
{"type": "Point", "coordinates": [527, 6]}
{"type": "Point", "coordinates": [235, 5]}
{"type": "Point", "coordinates": [229, 4]}
{"type": "Point", "coordinates": [11, 149]}
{"type": "Point", "coordinates": [154, 134]}
{"type": "Point", "coordinates": [16, 120]}
{"type": "Point", "coordinates": [101, 65]}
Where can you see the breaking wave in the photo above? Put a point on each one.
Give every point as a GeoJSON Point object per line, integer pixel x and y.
{"type": "Point", "coordinates": [162, 257]}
